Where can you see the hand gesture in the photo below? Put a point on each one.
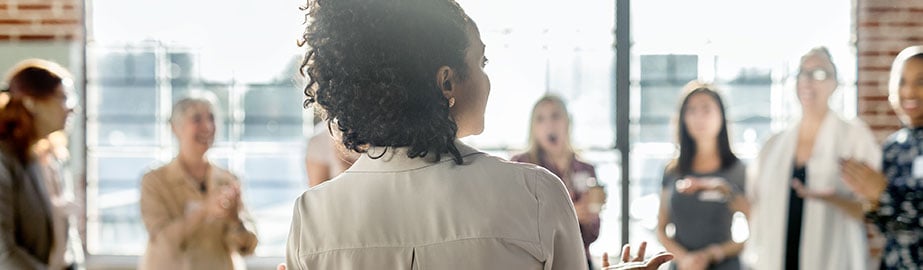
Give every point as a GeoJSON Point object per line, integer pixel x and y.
{"type": "Point", "coordinates": [637, 262]}
{"type": "Point", "coordinates": [863, 180]}
{"type": "Point", "coordinates": [806, 193]}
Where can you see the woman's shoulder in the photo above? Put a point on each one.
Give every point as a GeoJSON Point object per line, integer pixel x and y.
{"type": "Point", "coordinates": [222, 175]}
{"type": "Point", "coordinates": [522, 157]}
{"type": "Point", "coordinates": [581, 164]}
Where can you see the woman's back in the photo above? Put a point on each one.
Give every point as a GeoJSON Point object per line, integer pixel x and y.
{"type": "Point", "coordinates": [398, 213]}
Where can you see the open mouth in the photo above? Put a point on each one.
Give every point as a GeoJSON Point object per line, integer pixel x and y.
{"type": "Point", "coordinates": [553, 138]}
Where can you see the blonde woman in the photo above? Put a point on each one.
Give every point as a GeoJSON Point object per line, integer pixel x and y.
{"type": "Point", "coordinates": [191, 208]}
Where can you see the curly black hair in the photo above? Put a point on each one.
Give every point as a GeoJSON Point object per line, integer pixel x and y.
{"type": "Point", "coordinates": [371, 67]}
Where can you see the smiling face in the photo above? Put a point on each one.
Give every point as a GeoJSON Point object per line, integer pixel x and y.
{"type": "Point", "coordinates": [194, 126]}
{"type": "Point", "coordinates": [816, 81]}
{"type": "Point", "coordinates": [907, 90]}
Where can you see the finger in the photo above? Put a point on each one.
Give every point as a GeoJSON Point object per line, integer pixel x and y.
{"type": "Point", "coordinates": [626, 253]}
{"type": "Point", "coordinates": [281, 266]}
{"type": "Point", "coordinates": [641, 249]}
{"type": "Point", "coordinates": [853, 169]}
{"type": "Point", "coordinates": [799, 188]}
{"type": "Point", "coordinates": [605, 259]}
{"type": "Point", "coordinates": [658, 260]}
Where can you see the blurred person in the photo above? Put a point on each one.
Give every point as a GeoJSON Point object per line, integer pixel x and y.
{"type": "Point", "coordinates": [325, 157]}
{"type": "Point", "coordinates": [51, 152]}
{"type": "Point", "coordinates": [702, 187]}
{"type": "Point", "coordinates": [402, 80]}
{"type": "Point", "coordinates": [893, 199]}
{"type": "Point", "coordinates": [803, 216]}
{"type": "Point", "coordinates": [34, 103]}
{"type": "Point", "coordinates": [192, 209]}
{"type": "Point", "coordinates": [550, 147]}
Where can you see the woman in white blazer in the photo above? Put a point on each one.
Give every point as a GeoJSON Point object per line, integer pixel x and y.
{"type": "Point", "coordinates": [400, 81]}
{"type": "Point", "coordinates": [803, 216]}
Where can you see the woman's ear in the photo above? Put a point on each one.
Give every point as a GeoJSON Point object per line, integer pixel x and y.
{"type": "Point", "coordinates": [29, 103]}
{"type": "Point", "coordinates": [445, 79]}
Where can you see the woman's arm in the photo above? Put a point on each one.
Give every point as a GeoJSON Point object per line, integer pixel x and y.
{"type": "Point", "coordinates": [663, 218]}
{"type": "Point", "coordinates": [559, 232]}
{"type": "Point", "coordinates": [241, 231]}
{"type": "Point", "coordinates": [12, 256]}
{"type": "Point", "coordinates": [852, 207]}
{"type": "Point", "coordinates": [719, 252]}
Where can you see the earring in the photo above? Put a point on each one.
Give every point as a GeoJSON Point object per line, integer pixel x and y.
{"type": "Point", "coordinates": [451, 102]}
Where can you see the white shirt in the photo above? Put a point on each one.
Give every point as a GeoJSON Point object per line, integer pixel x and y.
{"type": "Point", "coordinates": [401, 213]}
{"type": "Point", "coordinates": [830, 238]}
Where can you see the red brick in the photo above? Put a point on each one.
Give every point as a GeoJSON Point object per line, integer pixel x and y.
{"type": "Point", "coordinates": [876, 97]}
{"type": "Point", "coordinates": [874, 68]}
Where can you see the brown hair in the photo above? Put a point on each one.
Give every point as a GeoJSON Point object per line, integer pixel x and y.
{"type": "Point", "coordinates": [687, 146]}
{"type": "Point", "coordinates": [32, 78]}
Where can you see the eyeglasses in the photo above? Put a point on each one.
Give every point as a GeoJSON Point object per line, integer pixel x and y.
{"type": "Point", "coordinates": [815, 74]}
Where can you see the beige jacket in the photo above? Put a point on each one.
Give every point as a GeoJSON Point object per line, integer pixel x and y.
{"type": "Point", "coordinates": [168, 193]}
{"type": "Point", "coordinates": [401, 213]}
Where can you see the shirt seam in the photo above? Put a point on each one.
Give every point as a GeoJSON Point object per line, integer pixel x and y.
{"type": "Point", "coordinates": [305, 254]}
{"type": "Point", "coordinates": [411, 169]}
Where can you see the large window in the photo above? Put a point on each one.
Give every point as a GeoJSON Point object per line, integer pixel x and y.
{"type": "Point", "coordinates": [144, 55]}
{"type": "Point", "coordinates": [749, 52]}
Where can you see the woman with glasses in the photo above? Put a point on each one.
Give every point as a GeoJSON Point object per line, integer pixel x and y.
{"type": "Point", "coordinates": [803, 216]}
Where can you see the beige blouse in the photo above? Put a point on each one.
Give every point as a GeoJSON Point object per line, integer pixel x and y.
{"type": "Point", "coordinates": [401, 213]}
{"type": "Point", "coordinates": [168, 194]}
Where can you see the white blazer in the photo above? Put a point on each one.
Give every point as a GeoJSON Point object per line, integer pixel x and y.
{"type": "Point", "coordinates": [830, 238]}
{"type": "Point", "coordinates": [401, 213]}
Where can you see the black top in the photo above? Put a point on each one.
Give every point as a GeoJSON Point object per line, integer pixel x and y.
{"type": "Point", "coordinates": [795, 212]}
{"type": "Point", "coordinates": [704, 218]}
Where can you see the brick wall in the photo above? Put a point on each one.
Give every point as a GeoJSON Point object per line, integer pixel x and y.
{"type": "Point", "coordinates": [40, 20]}
{"type": "Point", "coordinates": [884, 27]}
{"type": "Point", "coordinates": [48, 29]}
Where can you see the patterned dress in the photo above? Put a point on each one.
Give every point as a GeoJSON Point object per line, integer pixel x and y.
{"type": "Point", "coordinates": [898, 215]}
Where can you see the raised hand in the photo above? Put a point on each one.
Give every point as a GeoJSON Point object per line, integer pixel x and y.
{"type": "Point", "coordinates": [638, 261]}
{"type": "Point", "coordinates": [863, 180]}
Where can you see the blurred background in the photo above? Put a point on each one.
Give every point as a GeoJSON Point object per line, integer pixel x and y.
{"type": "Point", "coordinates": [136, 57]}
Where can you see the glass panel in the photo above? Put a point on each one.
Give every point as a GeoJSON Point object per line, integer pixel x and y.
{"type": "Point", "coordinates": [750, 65]}
{"type": "Point", "coordinates": [272, 183]}
{"type": "Point", "coordinates": [139, 68]}
{"type": "Point", "coordinates": [114, 219]}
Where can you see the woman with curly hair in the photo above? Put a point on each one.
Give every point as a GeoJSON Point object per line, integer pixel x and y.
{"type": "Point", "coordinates": [400, 81]}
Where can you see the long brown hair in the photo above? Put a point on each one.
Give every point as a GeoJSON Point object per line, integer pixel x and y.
{"type": "Point", "coordinates": [535, 151]}
{"type": "Point", "coordinates": [687, 147]}
{"type": "Point", "coordinates": [34, 78]}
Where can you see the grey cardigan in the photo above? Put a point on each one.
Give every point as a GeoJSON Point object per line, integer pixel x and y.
{"type": "Point", "coordinates": [26, 235]}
